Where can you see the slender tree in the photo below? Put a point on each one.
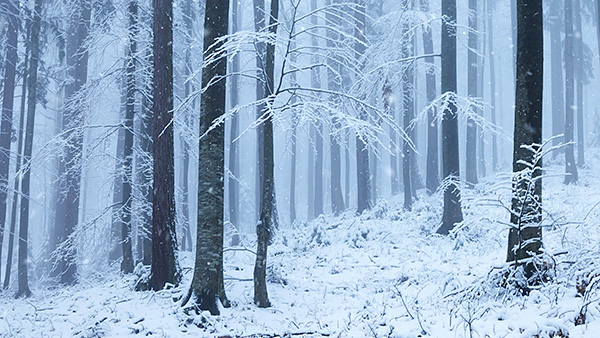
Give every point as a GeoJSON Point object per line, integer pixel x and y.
{"type": "Point", "coordinates": [432, 175]}
{"type": "Point", "coordinates": [525, 235]}
{"type": "Point", "coordinates": [164, 267]}
{"type": "Point", "coordinates": [268, 215]}
{"type": "Point", "coordinates": [11, 8]}
{"type": "Point", "coordinates": [472, 61]}
{"type": "Point", "coordinates": [556, 69]}
{"type": "Point", "coordinates": [19, 163]}
{"type": "Point", "coordinates": [207, 285]}
{"type": "Point", "coordinates": [315, 79]}
{"type": "Point", "coordinates": [362, 152]}
{"type": "Point", "coordinates": [23, 266]}
{"type": "Point", "coordinates": [450, 162]}
{"type": "Point", "coordinates": [570, 165]}
{"type": "Point", "coordinates": [130, 89]}
{"type": "Point", "coordinates": [389, 109]}
{"type": "Point", "coordinates": [579, 77]}
{"type": "Point", "coordinates": [234, 131]}
{"type": "Point", "coordinates": [408, 100]}
{"type": "Point", "coordinates": [492, 61]}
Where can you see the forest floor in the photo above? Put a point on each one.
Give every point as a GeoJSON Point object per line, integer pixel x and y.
{"type": "Point", "coordinates": [383, 274]}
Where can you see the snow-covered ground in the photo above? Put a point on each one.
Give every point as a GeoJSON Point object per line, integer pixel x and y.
{"type": "Point", "coordinates": [384, 274]}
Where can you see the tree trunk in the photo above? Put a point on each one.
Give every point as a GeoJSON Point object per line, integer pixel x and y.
{"type": "Point", "coordinates": [207, 285]}
{"type": "Point", "coordinates": [234, 165]}
{"type": "Point", "coordinates": [450, 161]}
{"type": "Point", "coordinates": [525, 237]}
{"type": "Point", "coordinates": [570, 165]}
{"type": "Point", "coordinates": [432, 180]}
{"type": "Point", "coordinates": [491, 58]}
{"type": "Point", "coordinates": [8, 95]}
{"type": "Point", "coordinates": [472, 61]}
{"type": "Point", "coordinates": [130, 85]}
{"type": "Point", "coordinates": [268, 215]}
{"type": "Point", "coordinates": [19, 162]}
{"type": "Point", "coordinates": [23, 290]}
{"type": "Point", "coordinates": [164, 267]}
{"type": "Point", "coordinates": [363, 176]}
{"type": "Point", "coordinates": [67, 209]}
{"type": "Point", "coordinates": [315, 80]}
{"type": "Point", "coordinates": [579, 78]}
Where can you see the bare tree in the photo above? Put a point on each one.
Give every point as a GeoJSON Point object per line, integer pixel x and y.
{"type": "Point", "coordinates": [570, 164]}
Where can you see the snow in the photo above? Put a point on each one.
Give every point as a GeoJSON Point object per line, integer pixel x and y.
{"type": "Point", "coordinates": [384, 274]}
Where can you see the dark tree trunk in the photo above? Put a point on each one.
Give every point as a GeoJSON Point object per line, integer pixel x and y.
{"type": "Point", "coordinates": [570, 165]}
{"type": "Point", "coordinates": [491, 58]}
{"type": "Point", "coordinates": [432, 180]}
{"type": "Point", "coordinates": [259, 26]}
{"type": "Point", "coordinates": [8, 95]}
{"type": "Point", "coordinates": [234, 165]}
{"type": "Point", "coordinates": [472, 61]}
{"type": "Point", "coordinates": [556, 67]}
{"type": "Point", "coordinates": [268, 215]}
{"type": "Point", "coordinates": [207, 285]}
{"type": "Point", "coordinates": [347, 160]}
{"type": "Point", "coordinates": [450, 161]}
{"type": "Point", "coordinates": [23, 290]}
{"type": "Point", "coordinates": [525, 237]}
{"type": "Point", "coordinates": [363, 176]}
{"type": "Point", "coordinates": [130, 86]}
{"type": "Point", "coordinates": [293, 141]}
{"type": "Point", "coordinates": [19, 162]}
{"type": "Point", "coordinates": [480, 79]}
{"type": "Point", "coordinates": [579, 78]}
{"type": "Point", "coordinates": [164, 267]}
{"type": "Point", "coordinates": [67, 208]}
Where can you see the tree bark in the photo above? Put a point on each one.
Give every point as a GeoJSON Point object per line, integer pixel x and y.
{"type": "Point", "coordinates": [208, 287]}
{"type": "Point", "coordinates": [525, 237]}
{"type": "Point", "coordinates": [450, 162]}
{"type": "Point", "coordinates": [268, 214]}
{"type": "Point", "coordinates": [23, 290]}
{"type": "Point", "coordinates": [570, 165]}
{"type": "Point", "coordinates": [8, 95]}
{"type": "Point", "coordinates": [408, 100]}
{"type": "Point", "coordinates": [164, 267]}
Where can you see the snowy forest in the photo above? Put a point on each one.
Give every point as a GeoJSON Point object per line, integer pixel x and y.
{"type": "Point", "coordinates": [300, 168]}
